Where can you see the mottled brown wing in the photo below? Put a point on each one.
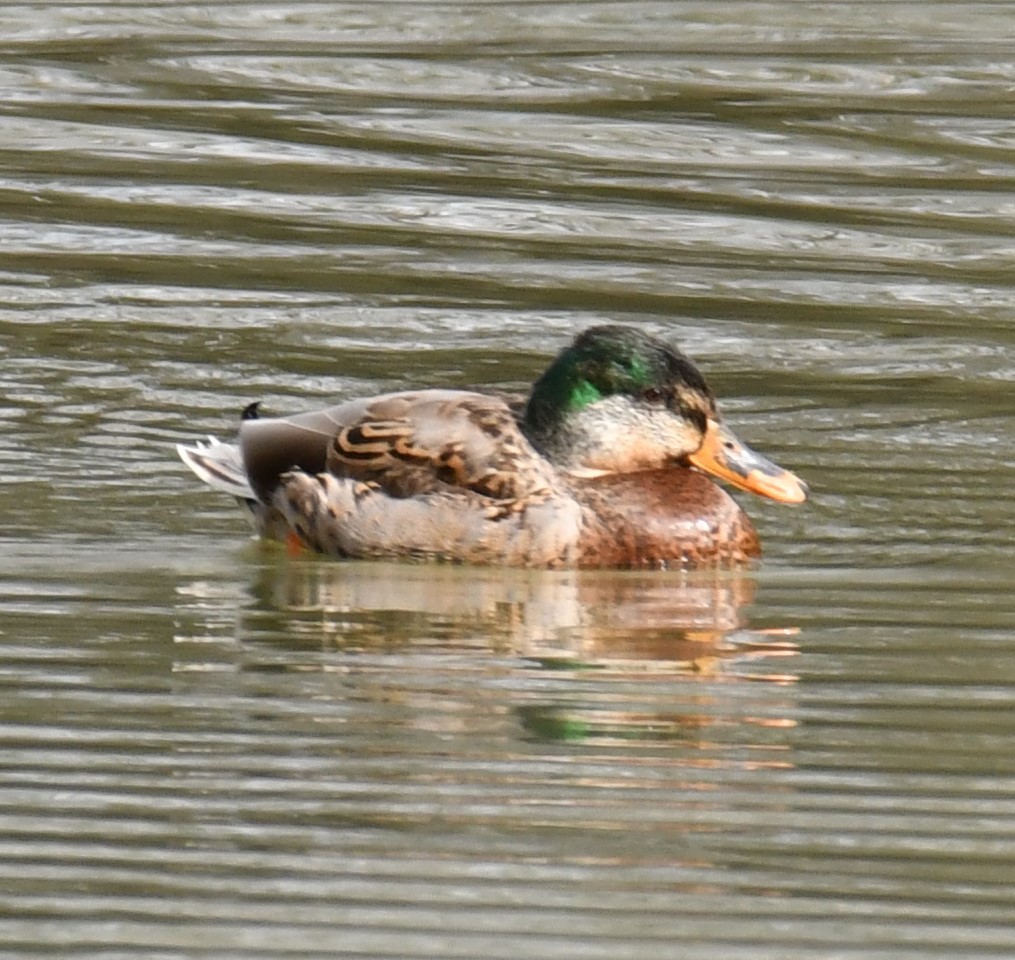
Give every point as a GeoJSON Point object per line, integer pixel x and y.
{"type": "Point", "coordinates": [414, 443]}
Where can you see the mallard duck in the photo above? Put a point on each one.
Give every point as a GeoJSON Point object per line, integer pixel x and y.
{"type": "Point", "coordinates": [605, 465]}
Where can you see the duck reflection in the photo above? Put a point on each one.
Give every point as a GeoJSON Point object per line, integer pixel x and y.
{"type": "Point", "coordinates": [566, 619]}
{"type": "Point", "coordinates": [594, 656]}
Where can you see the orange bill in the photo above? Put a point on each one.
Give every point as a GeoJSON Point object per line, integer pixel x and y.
{"type": "Point", "coordinates": [722, 455]}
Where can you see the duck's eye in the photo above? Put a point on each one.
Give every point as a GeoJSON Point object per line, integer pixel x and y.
{"type": "Point", "coordinates": [653, 395]}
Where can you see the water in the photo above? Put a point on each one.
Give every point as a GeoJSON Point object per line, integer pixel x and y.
{"type": "Point", "coordinates": [212, 749]}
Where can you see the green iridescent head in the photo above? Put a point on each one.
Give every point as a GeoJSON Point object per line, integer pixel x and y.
{"type": "Point", "coordinates": [614, 393]}
{"type": "Point", "coordinates": [618, 401]}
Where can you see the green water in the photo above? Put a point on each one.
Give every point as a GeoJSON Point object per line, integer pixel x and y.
{"type": "Point", "coordinates": [208, 748]}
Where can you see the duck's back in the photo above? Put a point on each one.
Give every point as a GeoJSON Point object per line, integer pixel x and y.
{"type": "Point", "coordinates": [408, 444]}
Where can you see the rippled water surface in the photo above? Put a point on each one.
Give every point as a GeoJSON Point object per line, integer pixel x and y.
{"type": "Point", "coordinates": [211, 748]}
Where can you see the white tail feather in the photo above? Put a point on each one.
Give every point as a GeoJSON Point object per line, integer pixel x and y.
{"type": "Point", "coordinates": [219, 465]}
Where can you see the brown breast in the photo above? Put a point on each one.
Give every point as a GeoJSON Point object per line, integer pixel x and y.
{"type": "Point", "coordinates": [667, 517]}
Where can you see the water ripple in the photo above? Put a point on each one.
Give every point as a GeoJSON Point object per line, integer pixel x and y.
{"type": "Point", "coordinates": [211, 746]}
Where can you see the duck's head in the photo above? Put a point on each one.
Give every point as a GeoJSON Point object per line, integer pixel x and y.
{"type": "Point", "coordinates": [618, 400]}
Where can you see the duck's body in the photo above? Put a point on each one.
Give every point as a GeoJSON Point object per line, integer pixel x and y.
{"type": "Point", "coordinates": [596, 473]}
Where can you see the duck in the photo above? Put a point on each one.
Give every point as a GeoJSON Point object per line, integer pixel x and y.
{"type": "Point", "coordinates": [609, 462]}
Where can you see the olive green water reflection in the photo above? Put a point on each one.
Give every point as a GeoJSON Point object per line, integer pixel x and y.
{"type": "Point", "coordinates": [210, 749]}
